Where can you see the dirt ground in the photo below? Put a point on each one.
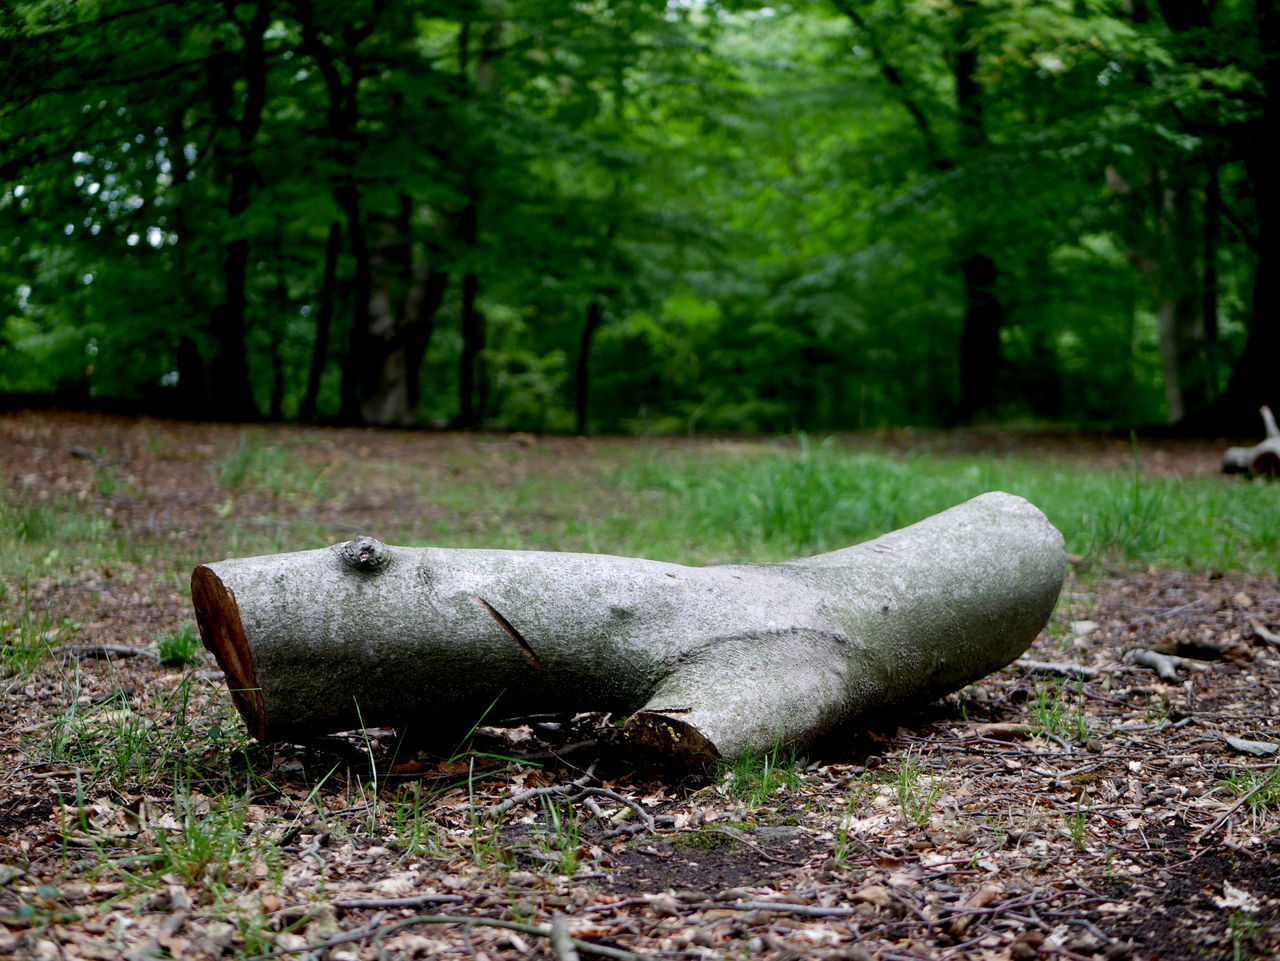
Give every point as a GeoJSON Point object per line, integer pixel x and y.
{"type": "Point", "coordinates": [1075, 805]}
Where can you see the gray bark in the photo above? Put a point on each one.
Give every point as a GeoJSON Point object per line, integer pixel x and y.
{"type": "Point", "coordinates": [709, 662]}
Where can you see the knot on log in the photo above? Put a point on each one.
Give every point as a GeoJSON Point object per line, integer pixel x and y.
{"type": "Point", "coordinates": [364, 553]}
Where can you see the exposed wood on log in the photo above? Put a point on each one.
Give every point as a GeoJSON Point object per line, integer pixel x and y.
{"type": "Point", "coordinates": [1263, 458]}
{"type": "Point", "coordinates": [708, 662]}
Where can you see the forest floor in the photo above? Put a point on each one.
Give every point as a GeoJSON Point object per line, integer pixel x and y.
{"type": "Point", "coordinates": [1074, 805]}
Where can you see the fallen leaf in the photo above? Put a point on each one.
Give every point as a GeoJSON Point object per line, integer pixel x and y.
{"type": "Point", "coordinates": [1238, 898]}
{"type": "Point", "coordinates": [876, 894]}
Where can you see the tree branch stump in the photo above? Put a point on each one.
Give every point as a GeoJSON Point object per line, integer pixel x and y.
{"type": "Point", "coordinates": [1263, 458]}
{"type": "Point", "coordinates": [708, 662]}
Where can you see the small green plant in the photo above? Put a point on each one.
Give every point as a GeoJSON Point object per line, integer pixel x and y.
{"type": "Point", "coordinates": [753, 778]}
{"type": "Point", "coordinates": [1244, 930]}
{"type": "Point", "coordinates": [180, 647]}
{"type": "Point", "coordinates": [561, 835]}
{"type": "Point", "coordinates": [413, 833]}
{"type": "Point", "coordinates": [1077, 825]}
{"type": "Point", "coordinates": [107, 479]}
{"type": "Point", "coordinates": [1262, 788]}
{"type": "Point", "coordinates": [485, 829]}
{"type": "Point", "coordinates": [27, 639]}
{"type": "Point", "coordinates": [1054, 712]}
{"type": "Point", "coordinates": [207, 846]}
{"type": "Point", "coordinates": [265, 466]}
{"type": "Point", "coordinates": [705, 840]}
{"type": "Point", "coordinates": [859, 789]}
{"type": "Point", "coordinates": [916, 798]}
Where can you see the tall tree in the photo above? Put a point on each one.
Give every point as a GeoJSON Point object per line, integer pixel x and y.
{"type": "Point", "coordinates": [238, 96]}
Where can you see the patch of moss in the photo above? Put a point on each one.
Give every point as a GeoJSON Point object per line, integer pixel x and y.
{"type": "Point", "coordinates": [704, 841]}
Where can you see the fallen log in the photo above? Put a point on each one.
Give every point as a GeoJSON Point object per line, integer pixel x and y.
{"type": "Point", "coordinates": [1262, 458]}
{"type": "Point", "coordinates": [708, 662]}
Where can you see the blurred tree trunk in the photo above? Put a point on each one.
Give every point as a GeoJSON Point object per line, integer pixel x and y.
{"type": "Point", "coordinates": [473, 380]}
{"type": "Point", "coordinates": [192, 387]}
{"type": "Point", "coordinates": [406, 296]}
{"type": "Point", "coordinates": [324, 323]}
{"type": "Point", "coordinates": [472, 326]}
{"type": "Point", "coordinates": [350, 201]}
{"type": "Point", "coordinates": [582, 372]}
{"type": "Point", "coordinates": [1181, 319]}
{"type": "Point", "coordinates": [231, 388]}
{"type": "Point", "coordinates": [343, 73]}
{"type": "Point", "coordinates": [1253, 382]}
{"type": "Point", "coordinates": [984, 313]}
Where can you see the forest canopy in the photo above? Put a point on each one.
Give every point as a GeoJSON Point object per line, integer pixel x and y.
{"type": "Point", "coordinates": [634, 215]}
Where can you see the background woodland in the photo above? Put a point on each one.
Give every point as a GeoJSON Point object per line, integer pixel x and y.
{"type": "Point", "coordinates": [635, 215]}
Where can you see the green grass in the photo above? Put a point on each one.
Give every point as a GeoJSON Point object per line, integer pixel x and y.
{"type": "Point", "coordinates": [916, 792]}
{"type": "Point", "coordinates": [805, 498]}
{"type": "Point", "coordinates": [274, 468]}
{"type": "Point", "coordinates": [180, 647]}
{"type": "Point", "coordinates": [1055, 712]}
{"type": "Point", "coordinates": [755, 778]}
{"type": "Point", "coordinates": [1265, 786]}
{"type": "Point", "coordinates": [27, 636]}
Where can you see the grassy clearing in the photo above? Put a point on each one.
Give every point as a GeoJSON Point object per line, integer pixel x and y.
{"type": "Point", "coordinates": [803, 498]}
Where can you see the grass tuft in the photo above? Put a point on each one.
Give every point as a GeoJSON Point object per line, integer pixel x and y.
{"type": "Point", "coordinates": [754, 778]}
{"type": "Point", "coordinates": [180, 647]}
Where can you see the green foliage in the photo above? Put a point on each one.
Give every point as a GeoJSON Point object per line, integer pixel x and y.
{"type": "Point", "coordinates": [916, 792]}
{"type": "Point", "coordinates": [27, 637]}
{"type": "Point", "coordinates": [1056, 713]}
{"type": "Point", "coordinates": [1262, 788]}
{"type": "Point", "coordinates": [685, 216]}
{"type": "Point", "coordinates": [755, 778]}
{"type": "Point", "coordinates": [180, 647]}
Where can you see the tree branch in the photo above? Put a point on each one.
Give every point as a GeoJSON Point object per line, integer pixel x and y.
{"type": "Point", "coordinates": [938, 158]}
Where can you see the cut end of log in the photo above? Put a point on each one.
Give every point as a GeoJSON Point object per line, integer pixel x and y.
{"type": "Point", "coordinates": [666, 736]}
{"type": "Point", "coordinates": [222, 631]}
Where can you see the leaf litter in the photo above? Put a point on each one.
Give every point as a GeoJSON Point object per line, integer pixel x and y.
{"type": "Point", "coordinates": [1082, 803]}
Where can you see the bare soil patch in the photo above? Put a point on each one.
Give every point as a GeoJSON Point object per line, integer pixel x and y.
{"type": "Point", "coordinates": [1074, 805]}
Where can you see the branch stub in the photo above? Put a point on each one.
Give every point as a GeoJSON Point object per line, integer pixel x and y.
{"type": "Point", "coordinates": [364, 553]}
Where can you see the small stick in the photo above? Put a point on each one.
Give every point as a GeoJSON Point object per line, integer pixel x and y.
{"type": "Point", "coordinates": [413, 902]}
{"type": "Point", "coordinates": [373, 930]}
{"type": "Point", "coordinates": [561, 939]}
{"type": "Point", "coordinates": [1260, 631]}
{"type": "Point", "coordinates": [803, 910]}
{"type": "Point", "coordinates": [104, 651]}
{"type": "Point", "coordinates": [560, 789]}
{"type": "Point", "coordinates": [1051, 667]}
{"type": "Point", "coordinates": [1264, 783]}
{"type": "Point", "coordinates": [621, 799]}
